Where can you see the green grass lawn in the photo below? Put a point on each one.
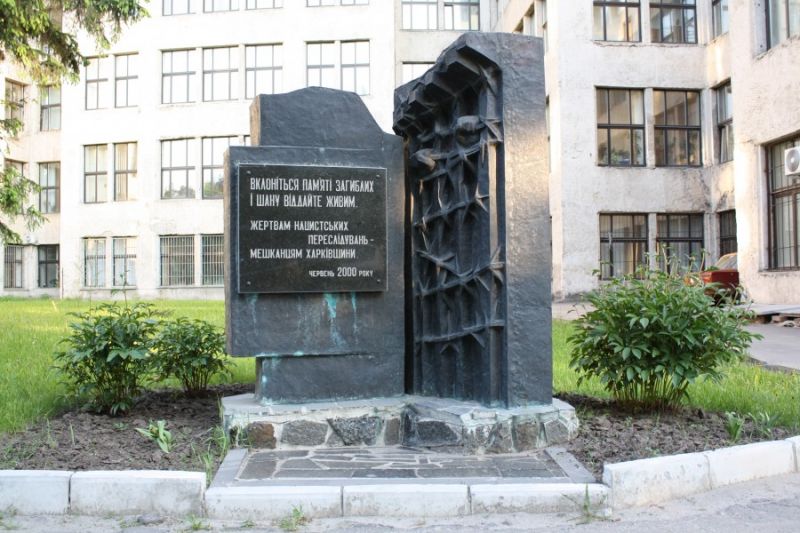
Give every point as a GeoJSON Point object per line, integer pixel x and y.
{"type": "Point", "coordinates": [31, 329]}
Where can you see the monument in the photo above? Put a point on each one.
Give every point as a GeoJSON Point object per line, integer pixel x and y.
{"type": "Point", "coordinates": [397, 290]}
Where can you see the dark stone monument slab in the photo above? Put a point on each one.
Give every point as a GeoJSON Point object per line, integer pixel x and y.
{"type": "Point", "coordinates": [480, 260]}
{"type": "Point", "coordinates": [314, 249]}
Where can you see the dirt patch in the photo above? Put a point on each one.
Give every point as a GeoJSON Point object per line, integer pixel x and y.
{"type": "Point", "coordinates": [610, 433]}
{"type": "Point", "coordinates": [80, 440]}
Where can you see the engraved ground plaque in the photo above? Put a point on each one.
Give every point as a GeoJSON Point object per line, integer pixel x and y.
{"type": "Point", "coordinates": [311, 229]}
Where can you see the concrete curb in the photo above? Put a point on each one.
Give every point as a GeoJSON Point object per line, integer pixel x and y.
{"type": "Point", "coordinates": [628, 484]}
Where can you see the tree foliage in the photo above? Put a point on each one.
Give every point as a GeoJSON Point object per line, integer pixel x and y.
{"type": "Point", "coordinates": [40, 36]}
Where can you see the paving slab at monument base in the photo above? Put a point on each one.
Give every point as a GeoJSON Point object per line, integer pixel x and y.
{"type": "Point", "coordinates": [425, 422]}
{"type": "Point", "coordinates": [398, 481]}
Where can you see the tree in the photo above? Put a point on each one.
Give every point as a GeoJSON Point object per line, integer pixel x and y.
{"type": "Point", "coordinates": [40, 36]}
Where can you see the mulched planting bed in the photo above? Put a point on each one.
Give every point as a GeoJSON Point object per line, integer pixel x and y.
{"type": "Point", "coordinates": [80, 440]}
{"type": "Point", "coordinates": [610, 433]}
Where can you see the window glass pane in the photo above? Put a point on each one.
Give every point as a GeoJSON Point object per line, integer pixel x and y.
{"type": "Point", "coordinates": [620, 147]}
{"type": "Point", "coordinates": [637, 107]}
{"type": "Point", "coordinates": [597, 28]}
{"type": "Point", "coordinates": [658, 107]}
{"type": "Point", "coordinates": [638, 147]}
{"type": "Point", "coordinates": [616, 23]}
{"type": "Point", "coordinates": [676, 108]}
{"type": "Point", "coordinates": [602, 106]}
{"type": "Point", "coordinates": [619, 105]}
{"type": "Point", "coordinates": [693, 104]}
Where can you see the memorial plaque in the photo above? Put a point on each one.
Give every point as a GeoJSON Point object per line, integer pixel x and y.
{"type": "Point", "coordinates": [311, 229]}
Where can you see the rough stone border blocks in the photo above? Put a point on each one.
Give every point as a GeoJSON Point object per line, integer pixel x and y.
{"type": "Point", "coordinates": [137, 491]}
{"type": "Point", "coordinates": [270, 503]}
{"type": "Point", "coordinates": [750, 461]}
{"type": "Point", "coordinates": [538, 498]}
{"type": "Point", "coordinates": [427, 501]}
{"type": "Point", "coordinates": [35, 491]}
{"type": "Point", "coordinates": [648, 481]}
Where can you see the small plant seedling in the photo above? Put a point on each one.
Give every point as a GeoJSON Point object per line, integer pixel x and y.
{"type": "Point", "coordinates": [247, 524]}
{"type": "Point", "coordinates": [196, 524]}
{"type": "Point", "coordinates": [120, 426]}
{"type": "Point", "coordinates": [158, 433]}
{"type": "Point", "coordinates": [764, 423]}
{"type": "Point", "coordinates": [294, 521]}
{"type": "Point", "coordinates": [734, 424]}
{"type": "Point", "coordinates": [587, 508]}
{"type": "Point", "coordinates": [4, 519]}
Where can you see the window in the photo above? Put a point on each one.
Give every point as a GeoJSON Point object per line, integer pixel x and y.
{"type": "Point", "coordinates": [727, 232]}
{"type": "Point", "coordinates": [679, 242]}
{"type": "Point", "coordinates": [177, 260]}
{"type": "Point", "coordinates": [220, 69]}
{"type": "Point", "coordinates": [419, 15]}
{"type": "Point", "coordinates": [126, 80]}
{"type": "Point", "coordinates": [264, 4]}
{"type": "Point", "coordinates": [50, 108]}
{"type": "Point", "coordinates": [673, 21]}
{"type": "Point", "coordinates": [719, 10]}
{"type": "Point", "coordinates": [355, 67]}
{"type": "Point", "coordinates": [783, 20]}
{"type": "Point", "coordinates": [677, 128]}
{"type": "Point", "coordinates": [318, 3]}
{"type": "Point", "coordinates": [12, 267]}
{"type": "Point", "coordinates": [211, 6]}
{"type": "Point", "coordinates": [176, 172]}
{"type": "Point", "coordinates": [125, 171]}
{"type": "Point", "coordinates": [263, 69]}
{"type": "Point", "coordinates": [616, 20]}
{"type": "Point", "coordinates": [355, 2]}
{"type": "Point", "coordinates": [124, 257]}
{"type": "Point", "coordinates": [176, 7]}
{"type": "Point", "coordinates": [96, 80]}
{"type": "Point", "coordinates": [94, 262]}
{"type": "Point", "coordinates": [17, 166]}
{"type": "Point", "coordinates": [620, 127]}
{"type": "Point", "coordinates": [543, 24]}
{"type": "Point", "coordinates": [15, 101]}
{"type": "Point", "coordinates": [177, 72]}
{"type": "Point", "coordinates": [412, 71]}
{"type": "Point", "coordinates": [462, 15]}
{"type": "Point", "coordinates": [725, 122]}
{"type": "Point", "coordinates": [95, 174]}
{"type": "Point", "coordinates": [321, 65]}
{"type": "Point", "coordinates": [48, 266]}
{"type": "Point", "coordinates": [213, 159]}
{"type": "Point", "coordinates": [213, 259]}
{"type": "Point", "coordinates": [623, 244]}
{"type": "Point", "coordinates": [49, 178]}
{"type": "Point", "coordinates": [784, 209]}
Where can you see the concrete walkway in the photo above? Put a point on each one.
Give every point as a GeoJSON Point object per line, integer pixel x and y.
{"type": "Point", "coordinates": [771, 504]}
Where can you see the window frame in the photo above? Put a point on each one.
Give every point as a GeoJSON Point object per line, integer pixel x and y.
{"type": "Point", "coordinates": [411, 4]}
{"type": "Point", "coordinates": [790, 31]}
{"type": "Point", "coordinates": [231, 72]}
{"type": "Point", "coordinates": [610, 240]}
{"type": "Point", "coordinates": [321, 67]}
{"type": "Point", "coordinates": [213, 164]}
{"type": "Point", "coordinates": [188, 169]}
{"type": "Point", "coordinates": [46, 264]}
{"type": "Point", "coordinates": [15, 105]}
{"type": "Point", "coordinates": [673, 4]}
{"type": "Point", "coordinates": [127, 260]}
{"type": "Point", "coordinates": [97, 82]}
{"type": "Point", "coordinates": [98, 259]}
{"type": "Point", "coordinates": [171, 3]}
{"type": "Point", "coordinates": [172, 75]}
{"type": "Point", "coordinates": [45, 189]}
{"type": "Point", "coordinates": [637, 5]}
{"type": "Point", "coordinates": [231, 4]}
{"type": "Point", "coordinates": [14, 266]}
{"type": "Point", "coordinates": [724, 123]}
{"type": "Point", "coordinates": [356, 66]}
{"type": "Point", "coordinates": [47, 109]}
{"type": "Point", "coordinates": [254, 70]}
{"type": "Point", "coordinates": [610, 126]}
{"type": "Point", "coordinates": [127, 173]}
{"type": "Point", "coordinates": [128, 79]}
{"type": "Point", "coordinates": [212, 251]}
{"type": "Point", "coordinates": [720, 17]}
{"type": "Point", "coordinates": [688, 128]}
{"type": "Point", "coordinates": [95, 174]}
{"type": "Point", "coordinates": [448, 24]}
{"type": "Point", "coordinates": [727, 232]}
{"type": "Point", "coordinates": [276, 4]}
{"type": "Point", "coordinates": [791, 193]}
{"type": "Point", "coordinates": [182, 279]}
{"type": "Point", "coordinates": [669, 239]}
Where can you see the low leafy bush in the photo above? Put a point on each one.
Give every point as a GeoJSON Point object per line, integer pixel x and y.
{"type": "Point", "coordinates": [191, 351]}
{"type": "Point", "coordinates": [652, 334]}
{"type": "Point", "coordinates": [107, 354]}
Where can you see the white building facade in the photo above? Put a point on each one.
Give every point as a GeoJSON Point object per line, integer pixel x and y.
{"type": "Point", "coordinates": [666, 120]}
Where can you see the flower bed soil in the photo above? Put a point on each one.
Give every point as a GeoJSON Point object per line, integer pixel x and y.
{"type": "Point", "coordinates": [80, 440]}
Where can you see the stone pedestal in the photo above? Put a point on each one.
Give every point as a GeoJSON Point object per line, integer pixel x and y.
{"type": "Point", "coordinates": [436, 423]}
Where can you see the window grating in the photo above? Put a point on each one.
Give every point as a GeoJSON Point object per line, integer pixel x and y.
{"type": "Point", "coordinates": [48, 265]}
{"type": "Point", "coordinates": [679, 242]}
{"type": "Point", "coordinates": [177, 260]}
{"type": "Point", "coordinates": [94, 262]}
{"type": "Point", "coordinates": [677, 128]}
{"type": "Point", "coordinates": [623, 244]}
{"type": "Point", "coordinates": [124, 261]}
{"type": "Point", "coordinates": [49, 178]}
{"type": "Point", "coordinates": [12, 267]}
{"type": "Point", "coordinates": [213, 259]}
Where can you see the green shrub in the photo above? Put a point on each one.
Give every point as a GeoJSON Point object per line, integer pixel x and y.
{"type": "Point", "coordinates": [191, 351]}
{"type": "Point", "coordinates": [107, 354]}
{"type": "Point", "coordinates": [652, 334]}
